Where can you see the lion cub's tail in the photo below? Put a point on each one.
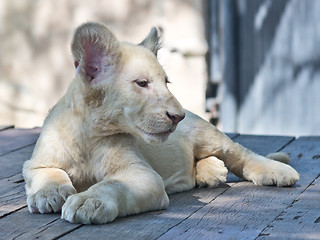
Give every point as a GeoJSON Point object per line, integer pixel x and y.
{"type": "Point", "coordinates": [280, 157]}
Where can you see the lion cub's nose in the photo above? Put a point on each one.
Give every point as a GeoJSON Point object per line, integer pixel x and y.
{"type": "Point", "coordinates": [175, 118]}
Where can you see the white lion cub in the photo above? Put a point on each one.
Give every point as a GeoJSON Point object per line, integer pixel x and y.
{"type": "Point", "coordinates": [118, 142]}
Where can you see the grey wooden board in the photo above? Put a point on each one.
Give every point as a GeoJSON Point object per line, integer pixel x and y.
{"type": "Point", "coordinates": [15, 219]}
{"type": "Point", "coordinates": [12, 162]}
{"type": "Point", "coordinates": [4, 127]}
{"type": "Point", "coordinates": [244, 210]}
{"type": "Point", "coordinates": [182, 206]}
{"type": "Point", "coordinates": [12, 195]}
{"type": "Point", "coordinates": [25, 225]}
{"type": "Point", "coordinates": [305, 155]}
{"type": "Point", "coordinates": [13, 139]}
{"type": "Point", "coordinates": [152, 225]}
{"type": "Point", "coordinates": [301, 220]}
{"type": "Point", "coordinates": [263, 144]}
{"type": "Point", "coordinates": [241, 200]}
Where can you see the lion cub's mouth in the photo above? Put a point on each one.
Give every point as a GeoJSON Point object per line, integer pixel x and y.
{"type": "Point", "coordinates": [162, 135]}
{"type": "Point", "coordinates": [156, 133]}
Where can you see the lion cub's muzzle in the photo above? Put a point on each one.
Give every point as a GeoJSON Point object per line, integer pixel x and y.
{"type": "Point", "coordinates": [161, 134]}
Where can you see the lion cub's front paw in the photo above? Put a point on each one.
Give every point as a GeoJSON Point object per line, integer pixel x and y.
{"type": "Point", "coordinates": [49, 199]}
{"type": "Point", "coordinates": [83, 208]}
{"type": "Point", "coordinates": [210, 172]}
{"type": "Point", "coordinates": [270, 172]}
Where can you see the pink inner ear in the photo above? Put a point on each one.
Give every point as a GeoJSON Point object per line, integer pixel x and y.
{"type": "Point", "coordinates": [93, 60]}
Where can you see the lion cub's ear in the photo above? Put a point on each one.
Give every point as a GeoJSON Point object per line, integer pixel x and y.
{"type": "Point", "coordinates": [152, 41]}
{"type": "Point", "coordinates": [95, 51]}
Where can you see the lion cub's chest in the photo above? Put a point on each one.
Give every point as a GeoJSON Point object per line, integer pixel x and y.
{"type": "Point", "coordinates": [94, 161]}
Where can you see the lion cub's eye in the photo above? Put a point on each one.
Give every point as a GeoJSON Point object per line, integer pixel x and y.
{"type": "Point", "coordinates": [142, 82]}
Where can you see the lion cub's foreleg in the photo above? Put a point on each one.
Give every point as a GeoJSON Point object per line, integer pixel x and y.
{"type": "Point", "coordinates": [210, 172]}
{"type": "Point", "coordinates": [253, 167]}
{"type": "Point", "coordinates": [130, 191]}
{"type": "Point", "coordinates": [47, 188]}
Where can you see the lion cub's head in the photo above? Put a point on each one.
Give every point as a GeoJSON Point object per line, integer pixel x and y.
{"type": "Point", "coordinates": [123, 86]}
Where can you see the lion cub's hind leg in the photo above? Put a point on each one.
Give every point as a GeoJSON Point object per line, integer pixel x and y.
{"type": "Point", "coordinates": [210, 172]}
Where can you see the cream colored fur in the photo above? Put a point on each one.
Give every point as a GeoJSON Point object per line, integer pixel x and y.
{"type": "Point", "coordinates": [112, 146]}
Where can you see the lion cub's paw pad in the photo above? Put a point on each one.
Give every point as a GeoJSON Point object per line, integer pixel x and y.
{"type": "Point", "coordinates": [88, 210]}
{"type": "Point", "coordinates": [210, 172]}
{"type": "Point", "coordinates": [49, 199]}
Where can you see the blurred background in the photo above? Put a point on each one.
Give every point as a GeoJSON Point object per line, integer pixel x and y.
{"type": "Point", "coordinates": [247, 66]}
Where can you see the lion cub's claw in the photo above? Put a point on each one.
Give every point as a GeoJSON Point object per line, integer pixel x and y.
{"type": "Point", "coordinates": [210, 172]}
{"type": "Point", "coordinates": [49, 199]}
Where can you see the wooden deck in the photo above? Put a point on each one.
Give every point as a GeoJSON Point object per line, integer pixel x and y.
{"type": "Point", "coordinates": [236, 210]}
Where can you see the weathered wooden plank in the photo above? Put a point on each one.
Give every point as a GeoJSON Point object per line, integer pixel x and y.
{"type": "Point", "coordinates": [263, 144]}
{"type": "Point", "coordinates": [25, 225]}
{"type": "Point", "coordinates": [15, 220]}
{"type": "Point", "coordinates": [152, 225]}
{"type": "Point", "coordinates": [5, 127]}
{"type": "Point", "coordinates": [183, 207]}
{"type": "Point", "coordinates": [12, 195]}
{"type": "Point", "coordinates": [305, 155]}
{"type": "Point", "coordinates": [13, 209]}
{"type": "Point", "coordinates": [12, 162]}
{"type": "Point", "coordinates": [13, 139]}
{"type": "Point", "coordinates": [244, 210]}
{"type": "Point", "coordinates": [144, 225]}
{"type": "Point", "coordinates": [301, 220]}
